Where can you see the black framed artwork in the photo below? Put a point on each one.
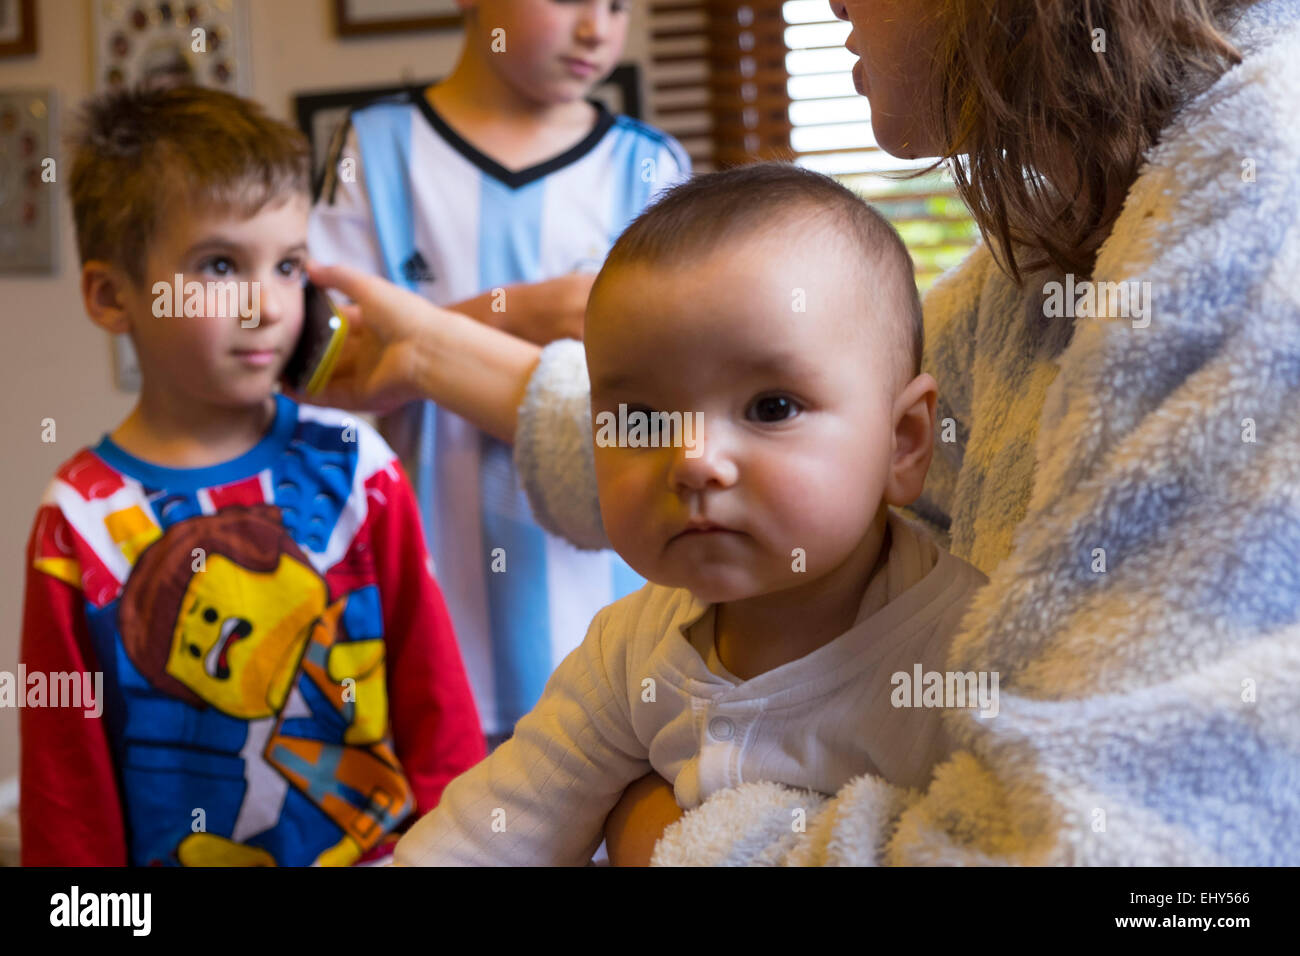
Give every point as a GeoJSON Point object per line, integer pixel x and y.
{"type": "Point", "coordinates": [355, 18]}
{"type": "Point", "coordinates": [17, 27]}
{"type": "Point", "coordinates": [320, 113]}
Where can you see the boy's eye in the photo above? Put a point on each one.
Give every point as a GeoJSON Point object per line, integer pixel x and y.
{"type": "Point", "coordinates": [773, 408]}
{"type": "Point", "coordinates": [615, 6]}
{"type": "Point", "coordinates": [289, 267]}
{"type": "Point", "coordinates": [218, 265]}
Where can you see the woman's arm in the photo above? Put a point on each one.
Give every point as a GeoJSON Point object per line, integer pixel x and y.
{"type": "Point", "coordinates": [401, 348]}
{"type": "Point", "coordinates": [639, 818]}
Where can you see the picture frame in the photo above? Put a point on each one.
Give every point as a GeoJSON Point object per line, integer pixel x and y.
{"type": "Point", "coordinates": [319, 114]}
{"type": "Point", "coordinates": [359, 18]}
{"type": "Point", "coordinates": [156, 43]}
{"type": "Point", "coordinates": [28, 194]}
{"type": "Point", "coordinates": [17, 27]}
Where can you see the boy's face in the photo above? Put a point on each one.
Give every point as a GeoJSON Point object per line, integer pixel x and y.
{"type": "Point", "coordinates": [555, 51]}
{"type": "Point", "coordinates": [797, 414]}
{"type": "Point", "coordinates": [231, 352]}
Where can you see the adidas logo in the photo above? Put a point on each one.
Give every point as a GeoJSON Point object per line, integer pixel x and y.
{"type": "Point", "coordinates": [415, 269]}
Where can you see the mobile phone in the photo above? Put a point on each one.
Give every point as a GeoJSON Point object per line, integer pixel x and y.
{"type": "Point", "coordinates": [323, 330]}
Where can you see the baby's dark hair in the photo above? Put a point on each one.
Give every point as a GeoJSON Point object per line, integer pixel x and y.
{"type": "Point", "coordinates": [703, 213]}
{"type": "Point", "coordinates": [140, 153]}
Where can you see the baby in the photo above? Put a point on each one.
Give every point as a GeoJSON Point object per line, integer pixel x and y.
{"type": "Point", "coordinates": [776, 309]}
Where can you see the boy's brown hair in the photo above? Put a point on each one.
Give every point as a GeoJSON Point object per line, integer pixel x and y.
{"type": "Point", "coordinates": [138, 152]}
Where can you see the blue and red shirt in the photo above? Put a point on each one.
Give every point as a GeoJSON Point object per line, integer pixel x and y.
{"type": "Point", "coordinates": [281, 680]}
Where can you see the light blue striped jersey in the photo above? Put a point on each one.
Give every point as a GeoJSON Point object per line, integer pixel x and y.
{"type": "Point", "coordinates": [408, 198]}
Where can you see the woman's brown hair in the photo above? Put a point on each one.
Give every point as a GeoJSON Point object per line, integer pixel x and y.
{"type": "Point", "coordinates": [1027, 83]}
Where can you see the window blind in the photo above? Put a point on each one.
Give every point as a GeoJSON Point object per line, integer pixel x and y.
{"type": "Point", "coordinates": [739, 81]}
{"type": "Point", "coordinates": [718, 79]}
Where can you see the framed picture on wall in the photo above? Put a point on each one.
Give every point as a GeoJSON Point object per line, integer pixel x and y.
{"type": "Point", "coordinates": [17, 27]}
{"type": "Point", "coordinates": [166, 42]}
{"type": "Point", "coordinates": [320, 114]}
{"type": "Point", "coordinates": [369, 17]}
{"type": "Point", "coordinates": [28, 191]}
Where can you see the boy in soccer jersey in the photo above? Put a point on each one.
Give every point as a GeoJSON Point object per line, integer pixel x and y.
{"type": "Point", "coordinates": [247, 576]}
{"type": "Point", "coordinates": [475, 192]}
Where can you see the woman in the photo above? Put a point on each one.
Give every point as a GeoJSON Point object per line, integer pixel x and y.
{"type": "Point", "coordinates": [1119, 366]}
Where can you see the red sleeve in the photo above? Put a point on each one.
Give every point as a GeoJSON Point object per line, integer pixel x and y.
{"type": "Point", "coordinates": [69, 808]}
{"type": "Point", "coordinates": [435, 723]}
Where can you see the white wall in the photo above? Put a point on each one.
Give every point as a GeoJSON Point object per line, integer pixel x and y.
{"type": "Point", "coordinates": [53, 362]}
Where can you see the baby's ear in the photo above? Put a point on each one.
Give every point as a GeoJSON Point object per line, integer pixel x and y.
{"type": "Point", "coordinates": [913, 440]}
{"type": "Point", "coordinates": [103, 293]}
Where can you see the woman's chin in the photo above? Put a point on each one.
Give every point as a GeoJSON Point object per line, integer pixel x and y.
{"type": "Point", "coordinates": [900, 139]}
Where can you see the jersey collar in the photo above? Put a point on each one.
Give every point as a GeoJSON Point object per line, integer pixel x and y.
{"type": "Point", "coordinates": [515, 179]}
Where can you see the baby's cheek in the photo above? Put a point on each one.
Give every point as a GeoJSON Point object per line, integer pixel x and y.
{"type": "Point", "coordinates": [625, 503]}
{"type": "Point", "coordinates": [821, 506]}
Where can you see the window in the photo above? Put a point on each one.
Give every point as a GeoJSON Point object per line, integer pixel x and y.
{"type": "Point", "coordinates": [718, 79]}
{"type": "Point", "coordinates": [770, 79]}
{"type": "Point", "coordinates": [831, 132]}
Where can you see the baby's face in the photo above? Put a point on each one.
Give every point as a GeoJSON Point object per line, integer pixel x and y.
{"type": "Point", "coordinates": [240, 303]}
{"type": "Point", "coordinates": [768, 343]}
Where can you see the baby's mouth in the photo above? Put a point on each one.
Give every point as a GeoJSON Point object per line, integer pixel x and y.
{"type": "Point", "coordinates": [702, 528]}
{"type": "Point", "coordinates": [217, 662]}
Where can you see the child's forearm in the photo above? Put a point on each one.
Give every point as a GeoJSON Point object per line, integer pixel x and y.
{"type": "Point", "coordinates": [538, 312]}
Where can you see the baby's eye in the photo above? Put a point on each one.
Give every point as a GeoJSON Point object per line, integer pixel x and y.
{"type": "Point", "coordinates": [218, 265]}
{"type": "Point", "coordinates": [773, 408]}
{"type": "Point", "coordinates": [657, 430]}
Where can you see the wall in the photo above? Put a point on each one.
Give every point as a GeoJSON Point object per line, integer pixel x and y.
{"type": "Point", "coordinates": [54, 363]}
